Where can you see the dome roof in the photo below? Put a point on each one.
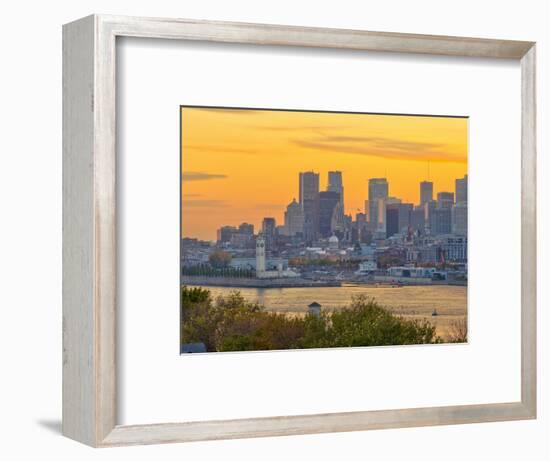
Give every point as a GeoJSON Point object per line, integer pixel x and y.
{"type": "Point", "coordinates": [333, 239]}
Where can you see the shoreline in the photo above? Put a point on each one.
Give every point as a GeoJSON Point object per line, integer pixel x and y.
{"type": "Point", "coordinates": [229, 282]}
{"type": "Point", "coordinates": [233, 282]}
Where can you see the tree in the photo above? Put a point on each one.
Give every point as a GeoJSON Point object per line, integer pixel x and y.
{"type": "Point", "coordinates": [219, 258]}
{"type": "Point", "coordinates": [231, 323]}
{"type": "Point", "coordinates": [458, 331]}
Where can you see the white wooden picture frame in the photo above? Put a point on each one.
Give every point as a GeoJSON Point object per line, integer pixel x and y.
{"type": "Point", "coordinates": [89, 230]}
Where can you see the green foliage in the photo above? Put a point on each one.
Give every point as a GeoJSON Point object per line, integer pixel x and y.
{"type": "Point", "coordinates": [232, 323]}
{"type": "Point", "coordinates": [206, 270]}
{"type": "Point", "coordinates": [365, 323]}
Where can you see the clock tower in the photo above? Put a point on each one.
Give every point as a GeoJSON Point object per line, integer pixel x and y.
{"type": "Point", "coordinates": [260, 256]}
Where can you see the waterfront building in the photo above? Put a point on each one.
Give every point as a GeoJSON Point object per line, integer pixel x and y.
{"type": "Point", "coordinates": [260, 256]}
{"type": "Point", "coordinates": [426, 192]}
{"type": "Point", "coordinates": [328, 206]}
{"type": "Point", "coordinates": [366, 267]}
{"type": "Point", "coordinates": [365, 251]}
{"type": "Point", "coordinates": [455, 248]}
{"type": "Point", "coordinates": [378, 193]}
{"type": "Point", "coordinates": [309, 201]}
{"type": "Point", "coordinates": [461, 189]}
{"type": "Point", "coordinates": [262, 271]}
{"type": "Point", "coordinates": [294, 219]}
{"type": "Point", "coordinates": [445, 199]}
{"type": "Point", "coordinates": [404, 272]}
{"type": "Point", "coordinates": [249, 263]}
{"type": "Point", "coordinates": [269, 231]}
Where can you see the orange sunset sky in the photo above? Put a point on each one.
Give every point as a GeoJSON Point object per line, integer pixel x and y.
{"type": "Point", "coordinates": [242, 165]}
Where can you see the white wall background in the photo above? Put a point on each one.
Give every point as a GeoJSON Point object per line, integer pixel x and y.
{"type": "Point", "coordinates": [30, 231]}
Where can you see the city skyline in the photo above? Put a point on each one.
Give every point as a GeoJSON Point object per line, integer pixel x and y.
{"type": "Point", "coordinates": [231, 174]}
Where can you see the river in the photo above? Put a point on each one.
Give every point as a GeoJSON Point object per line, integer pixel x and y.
{"type": "Point", "coordinates": [418, 302]}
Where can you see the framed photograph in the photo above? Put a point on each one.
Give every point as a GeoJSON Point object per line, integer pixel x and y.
{"type": "Point", "coordinates": [273, 230]}
{"type": "Point", "coordinates": [319, 268]}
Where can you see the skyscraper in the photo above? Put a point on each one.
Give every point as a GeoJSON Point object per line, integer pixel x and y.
{"type": "Point", "coordinates": [398, 217]}
{"type": "Point", "coordinates": [294, 219]}
{"type": "Point", "coordinates": [418, 221]}
{"type": "Point", "coordinates": [441, 221]}
{"type": "Point", "coordinates": [461, 189]}
{"type": "Point", "coordinates": [429, 208]}
{"type": "Point", "coordinates": [309, 201]}
{"type": "Point", "coordinates": [360, 227]}
{"type": "Point", "coordinates": [426, 192]}
{"type": "Point", "coordinates": [460, 218]}
{"type": "Point", "coordinates": [460, 209]}
{"type": "Point", "coordinates": [335, 184]}
{"type": "Point", "coordinates": [328, 206]}
{"type": "Point", "coordinates": [405, 212]}
{"type": "Point", "coordinates": [445, 199]}
{"type": "Point", "coordinates": [225, 233]}
{"type": "Point", "coordinates": [269, 231]}
{"type": "Point", "coordinates": [392, 219]}
{"type": "Point", "coordinates": [246, 228]}
{"type": "Point", "coordinates": [378, 193]}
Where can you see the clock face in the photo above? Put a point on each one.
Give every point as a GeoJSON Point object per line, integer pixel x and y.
{"type": "Point", "coordinates": [261, 245]}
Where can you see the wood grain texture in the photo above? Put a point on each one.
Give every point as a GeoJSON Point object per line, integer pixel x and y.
{"type": "Point", "coordinates": [89, 265]}
{"type": "Point", "coordinates": [89, 229]}
{"type": "Point", "coordinates": [79, 340]}
{"type": "Point", "coordinates": [313, 424]}
{"type": "Point", "coordinates": [269, 34]}
{"type": "Point", "coordinates": [105, 227]}
{"type": "Point", "coordinates": [529, 232]}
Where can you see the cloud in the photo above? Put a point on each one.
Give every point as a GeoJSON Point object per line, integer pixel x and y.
{"type": "Point", "coordinates": [217, 149]}
{"type": "Point", "coordinates": [225, 111]}
{"type": "Point", "coordinates": [300, 128]}
{"type": "Point", "coordinates": [191, 195]}
{"type": "Point", "coordinates": [382, 147]}
{"type": "Point", "coordinates": [206, 203]}
{"type": "Point", "coordinates": [200, 176]}
{"type": "Point", "coordinates": [381, 142]}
